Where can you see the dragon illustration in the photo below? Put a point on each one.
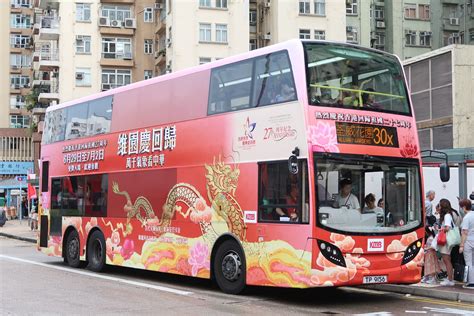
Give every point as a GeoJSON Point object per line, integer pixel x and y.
{"type": "Point", "coordinates": [221, 182]}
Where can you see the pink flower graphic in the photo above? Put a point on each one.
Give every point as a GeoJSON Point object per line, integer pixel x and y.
{"type": "Point", "coordinates": [127, 249]}
{"type": "Point", "coordinates": [409, 150]}
{"type": "Point", "coordinates": [201, 212]}
{"type": "Point", "coordinates": [324, 137]}
{"type": "Point", "coordinates": [199, 257]}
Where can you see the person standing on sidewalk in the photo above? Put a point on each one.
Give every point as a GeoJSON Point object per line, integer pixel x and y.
{"type": "Point", "coordinates": [467, 241]}
{"type": "Point", "coordinates": [430, 196]}
{"type": "Point", "coordinates": [447, 223]}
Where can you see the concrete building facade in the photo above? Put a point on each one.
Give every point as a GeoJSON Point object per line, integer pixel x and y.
{"type": "Point", "coordinates": [441, 89]}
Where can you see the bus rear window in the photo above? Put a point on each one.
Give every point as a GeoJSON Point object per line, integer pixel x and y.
{"type": "Point", "coordinates": [350, 77]}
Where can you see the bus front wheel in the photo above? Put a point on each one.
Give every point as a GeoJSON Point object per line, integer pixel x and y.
{"type": "Point", "coordinates": [96, 252]}
{"type": "Point", "coordinates": [229, 267]}
{"type": "Point", "coordinates": [72, 255]}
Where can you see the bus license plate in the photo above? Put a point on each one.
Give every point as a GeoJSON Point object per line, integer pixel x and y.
{"type": "Point", "coordinates": [375, 279]}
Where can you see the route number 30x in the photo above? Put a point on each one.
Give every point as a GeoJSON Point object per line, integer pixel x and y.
{"type": "Point", "coordinates": [381, 137]}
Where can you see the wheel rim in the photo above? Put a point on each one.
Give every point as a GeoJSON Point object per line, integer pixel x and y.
{"type": "Point", "coordinates": [231, 266]}
{"type": "Point", "coordinates": [73, 248]}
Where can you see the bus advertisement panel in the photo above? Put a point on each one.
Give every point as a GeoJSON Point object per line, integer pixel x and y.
{"type": "Point", "coordinates": [269, 176]}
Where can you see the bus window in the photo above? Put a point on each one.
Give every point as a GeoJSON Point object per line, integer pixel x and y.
{"type": "Point", "coordinates": [55, 126]}
{"type": "Point", "coordinates": [99, 116]}
{"type": "Point", "coordinates": [76, 121]}
{"type": "Point", "coordinates": [281, 193]}
{"type": "Point", "coordinates": [95, 195]}
{"type": "Point", "coordinates": [273, 80]}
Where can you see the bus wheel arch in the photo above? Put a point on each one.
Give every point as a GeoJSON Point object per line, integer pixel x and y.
{"type": "Point", "coordinates": [96, 250]}
{"type": "Point", "coordinates": [72, 247]}
{"type": "Point", "coordinates": [228, 264]}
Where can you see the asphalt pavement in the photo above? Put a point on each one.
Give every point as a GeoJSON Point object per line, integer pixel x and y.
{"type": "Point", "coordinates": [20, 230]}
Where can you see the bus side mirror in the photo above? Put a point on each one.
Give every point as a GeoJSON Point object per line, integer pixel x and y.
{"type": "Point", "coordinates": [444, 172]}
{"type": "Point", "coordinates": [293, 164]}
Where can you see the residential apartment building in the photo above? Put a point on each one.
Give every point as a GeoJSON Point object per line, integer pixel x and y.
{"type": "Point", "coordinates": [441, 90]}
{"type": "Point", "coordinates": [453, 22]}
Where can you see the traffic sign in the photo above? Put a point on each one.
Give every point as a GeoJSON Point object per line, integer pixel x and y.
{"type": "Point", "coordinates": [20, 178]}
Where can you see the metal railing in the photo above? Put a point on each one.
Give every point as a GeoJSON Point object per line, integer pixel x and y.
{"type": "Point", "coordinates": [47, 53]}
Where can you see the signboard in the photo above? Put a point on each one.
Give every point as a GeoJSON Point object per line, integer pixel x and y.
{"type": "Point", "coordinates": [364, 134]}
{"type": "Point", "coordinates": [20, 178]}
{"type": "Point", "coordinates": [16, 167]}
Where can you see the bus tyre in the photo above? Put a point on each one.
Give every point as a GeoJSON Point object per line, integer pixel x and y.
{"type": "Point", "coordinates": [229, 267]}
{"type": "Point", "coordinates": [73, 246]}
{"type": "Point", "coordinates": [96, 252]}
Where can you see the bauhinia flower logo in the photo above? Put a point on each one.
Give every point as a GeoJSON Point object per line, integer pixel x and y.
{"type": "Point", "coordinates": [324, 137]}
{"type": "Point", "coordinates": [199, 257]}
{"type": "Point", "coordinates": [201, 212]}
{"type": "Point", "coordinates": [409, 150]}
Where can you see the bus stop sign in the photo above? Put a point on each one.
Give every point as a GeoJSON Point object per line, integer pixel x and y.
{"type": "Point", "coordinates": [20, 178]}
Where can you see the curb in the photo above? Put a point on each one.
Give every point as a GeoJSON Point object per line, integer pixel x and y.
{"type": "Point", "coordinates": [426, 292]}
{"type": "Point", "coordinates": [32, 240]}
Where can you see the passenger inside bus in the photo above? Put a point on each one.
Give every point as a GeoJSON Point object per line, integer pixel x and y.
{"type": "Point", "coordinates": [371, 208]}
{"type": "Point", "coordinates": [368, 99]}
{"type": "Point", "coordinates": [345, 198]}
{"type": "Point", "coordinates": [287, 93]}
{"type": "Point", "coordinates": [292, 198]}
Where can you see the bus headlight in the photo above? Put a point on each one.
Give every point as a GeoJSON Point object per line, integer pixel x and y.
{"type": "Point", "coordinates": [411, 251]}
{"type": "Point", "coordinates": [331, 253]}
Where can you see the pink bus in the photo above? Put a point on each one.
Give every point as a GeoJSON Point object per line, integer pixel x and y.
{"type": "Point", "coordinates": [295, 165]}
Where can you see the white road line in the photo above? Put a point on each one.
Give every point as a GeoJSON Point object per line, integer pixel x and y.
{"type": "Point", "coordinates": [416, 312]}
{"type": "Point", "coordinates": [101, 276]}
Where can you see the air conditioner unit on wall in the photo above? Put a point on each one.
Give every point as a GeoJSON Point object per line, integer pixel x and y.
{"type": "Point", "coordinates": [116, 23]}
{"type": "Point", "coordinates": [127, 56]}
{"type": "Point", "coordinates": [106, 86]}
{"type": "Point", "coordinates": [455, 35]}
{"type": "Point", "coordinates": [79, 75]}
{"type": "Point", "coordinates": [380, 24]}
{"type": "Point", "coordinates": [130, 24]}
{"type": "Point", "coordinates": [158, 6]}
{"type": "Point", "coordinates": [348, 28]}
{"type": "Point", "coordinates": [454, 21]}
{"type": "Point", "coordinates": [103, 21]}
{"type": "Point", "coordinates": [168, 42]}
{"type": "Point", "coordinates": [267, 37]}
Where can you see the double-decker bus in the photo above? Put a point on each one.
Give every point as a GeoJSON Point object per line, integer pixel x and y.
{"type": "Point", "coordinates": [265, 168]}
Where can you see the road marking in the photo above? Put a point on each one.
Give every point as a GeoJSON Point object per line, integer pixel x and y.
{"type": "Point", "coordinates": [440, 302]}
{"type": "Point", "coordinates": [416, 312]}
{"type": "Point", "coordinates": [449, 311]}
{"type": "Point", "coordinates": [101, 276]}
{"type": "Point", "coordinates": [375, 314]}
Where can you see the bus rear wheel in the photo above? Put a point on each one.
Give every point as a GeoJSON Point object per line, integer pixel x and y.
{"type": "Point", "coordinates": [96, 252]}
{"type": "Point", "coordinates": [229, 267]}
{"type": "Point", "coordinates": [72, 255]}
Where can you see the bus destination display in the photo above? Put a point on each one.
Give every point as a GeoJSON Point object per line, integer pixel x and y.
{"type": "Point", "coordinates": [363, 134]}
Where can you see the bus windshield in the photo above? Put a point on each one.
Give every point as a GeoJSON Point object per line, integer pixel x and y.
{"type": "Point", "coordinates": [350, 77]}
{"type": "Point", "coordinates": [368, 194]}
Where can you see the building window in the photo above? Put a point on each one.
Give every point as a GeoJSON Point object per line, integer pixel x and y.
{"type": "Point", "coordinates": [21, 3]}
{"type": "Point", "coordinates": [319, 35]}
{"type": "Point", "coordinates": [83, 12]}
{"type": "Point", "coordinates": [20, 21]}
{"type": "Point", "coordinates": [252, 44]}
{"type": "Point", "coordinates": [379, 13]}
{"type": "Point", "coordinates": [304, 7]}
{"type": "Point", "coordinates": [380, 40]}
{"type": "Point", "coordinates": [119, 48]}
{"type": "Point", "coordinates": [83, 44]}
{"type": "Point", "coordinates": [253, 17]}
{"type": "Point", "coordinates": [204, 32]}
{"type": "Point", "coordinates": [424, 11]}
{"type": "Point", "coordinates": [148, 46]}
{"type": "Point", "coordinates": [454, 38]}
{"type": "Point", "coordinates": [205, 3]}
{"type": "Point", "coordinates": [113, 78]}
{"type": "Point", "coordinates": [410, 11]}
{"type": "Point", "coordinates": [19, 121]}
{"type": "Point", "coordinates": [17, 101]}
{"type": "Point", "coordinates": [83, 77]}
{"type": "Point", "coordinates": [116, 12]}
{"type": "Point", "coordinates": [204, 60]}
{"type": "Point", "coordinates": [19, 41]}
{"type": "Point", "coordinates": [19, 81]}
{"type": "Point", "coordinates": [222, 4]}
{"type": "Point", "coordinates": [351, 34]}
{"type": "Point", "coordinates": [148, 74]}
{"type": "Point", "coordinates": [471, 35]}
{"type": "Point", "coordinates": [410, 38]}
{"type": "Point", "coordinates": [320, 7]}
{"type": "Point", "coordinates": [20, 61]}
{"type": "Point", "coordinates": [425, 39]}
{"type": "Point", "coordinates": [148, 15]}
{"type": "Point", "coordinates": [221, 33]}
{"type": "Point", "coordinates": [305, 34]}
{"type": "Point", "coordinates": [351, 7]}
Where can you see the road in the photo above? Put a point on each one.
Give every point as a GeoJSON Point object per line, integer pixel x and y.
{"type": "Point", "coordinates": [32, 283]}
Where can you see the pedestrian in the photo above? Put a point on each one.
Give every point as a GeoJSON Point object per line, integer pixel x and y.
{"type": "Point", "coordinates": [430, 196]}
{"type": "Point", "coordinates": [24, 207]}
{"type": "Point", "coordinates": [467, 240]}
{"type": "Point", "coordinates": [447, 223]}
{"type": "Point", "coordinates": [431, 264]}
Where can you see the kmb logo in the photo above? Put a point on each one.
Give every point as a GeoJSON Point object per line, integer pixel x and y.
{"type": "Point", "coordinates": [375, 245]}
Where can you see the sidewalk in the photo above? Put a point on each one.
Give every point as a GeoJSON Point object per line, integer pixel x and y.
{"type": "Point", "coordinates": [21, 231]}
{"type": "Point", "coordinates": [15, 229]}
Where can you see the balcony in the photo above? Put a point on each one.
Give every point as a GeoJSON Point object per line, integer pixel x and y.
{"type": "Point", "coordinates": [49, 93]}
{"type": "Point", "coordinates": [15, 69]}
{"type": "Point", "coordinates": [160, 57]}
{"type": "Point", "coordinates": [48, 58]}
{"type": "Point", "coordinates": [116, 60]}
{"type": "Point", "coordinates": [41, 78]}
{"type": "Point", "coordinates": [49, 28]}
{"type": "Point", "coordinates": [160, 24]}
{"type": "Point", "coordinates": [451, 24]}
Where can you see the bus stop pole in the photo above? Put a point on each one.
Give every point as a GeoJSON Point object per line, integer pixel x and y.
{"type": "Point", "coordinates": [462, 167]}
{"type": "Point", "coordinates": [21, 203]}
